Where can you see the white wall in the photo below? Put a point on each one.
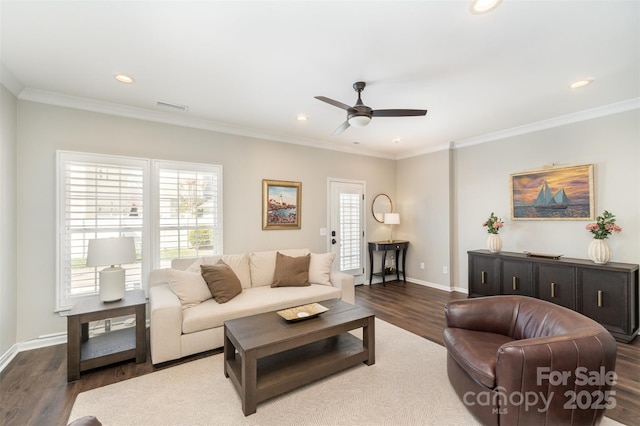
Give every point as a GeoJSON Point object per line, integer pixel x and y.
{"type": "Point", "coordinates": [43, 129]}
{"type": "Point", "coordinates": [8, 280]}
{"type": "Point", "coordinates": [423, 203]}
{"type": "Point", "coordinates": [481, 181]}
{"type": "Point", "coordinates": [442, 197]}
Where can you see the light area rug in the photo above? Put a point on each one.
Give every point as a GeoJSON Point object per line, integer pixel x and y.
{"type": "Point", "coordinates": [408, 385]}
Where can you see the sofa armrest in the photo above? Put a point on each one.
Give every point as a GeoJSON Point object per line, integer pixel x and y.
{"type": "Point", "coordinates": [166, 324]}
{"type": "Point", "coordinates": [482, 314]}
{"type": "Point", "coordinates": [346, 283]}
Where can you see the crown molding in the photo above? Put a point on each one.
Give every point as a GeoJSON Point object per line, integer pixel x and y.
{"type": "Point", "coordinates": [110, 108]}
{"type": "Point", "coordinates": [589, 114]}
{"type": "Point", "coordinates": [85, 104]}
{"type": "Point", "coordinates": [8, 80]}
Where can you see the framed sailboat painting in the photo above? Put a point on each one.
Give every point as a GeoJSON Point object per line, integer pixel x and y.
{"type": "Point", "coordinates": [563, 193]}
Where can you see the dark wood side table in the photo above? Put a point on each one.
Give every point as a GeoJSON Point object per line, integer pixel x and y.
{"type": "Point", "coordinates": [385, 246]}
{"type": "Point", "coordinates": [115, 346]}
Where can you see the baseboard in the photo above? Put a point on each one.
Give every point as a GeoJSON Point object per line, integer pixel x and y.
{"type": "Point", "coordinates": [38, 342]}
{"type": "Point", "coordinates": [44, 341]}
{"type": "Point", "coordinates": [438, 286]}
{"type": "Point", "coordinates": [429, 284]}
{"type": "Point", "coordinates": [6, 357]}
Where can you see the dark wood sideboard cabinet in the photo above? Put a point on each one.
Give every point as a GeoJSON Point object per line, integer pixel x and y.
{"type": "Point", "coordinates": [606, 293]}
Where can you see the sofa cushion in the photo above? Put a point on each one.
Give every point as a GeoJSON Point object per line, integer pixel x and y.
{"type": "Point", "coordinates": [476, 352]}
{"type": "Point", "coordinates": [320, 268]}
{"type": "Point", "coordinates": [190, 287]}
{"type": "Point", "coordinates": [263, 265]}
{"type": "Point", "coordinates": [291, 271]}
{"type": "Point", "coordinates": [222, 282]}
{"type": "Point", "coordinates": [256, 300]}
{"type": "Point", "coordinates": [239, 263]}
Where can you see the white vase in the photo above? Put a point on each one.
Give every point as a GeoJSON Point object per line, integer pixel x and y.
{"type": "Point", "coordinates": [599, 251]}
{"type": "Point", "coordinates": [494, 243]}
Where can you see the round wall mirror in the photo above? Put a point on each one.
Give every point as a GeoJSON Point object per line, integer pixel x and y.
{"type": "Point", "coordinates": [381, 204]}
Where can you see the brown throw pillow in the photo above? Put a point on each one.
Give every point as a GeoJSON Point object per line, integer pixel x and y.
{"type": "Point", "coordinates": [291, 271]}
{"type": "Point", "coordinates": [222, 281]}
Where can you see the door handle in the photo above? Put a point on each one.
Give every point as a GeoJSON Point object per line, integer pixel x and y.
{"type": "Point", "coordinates": [553, 289]}
{"type": "Point", "coordinates": [333, 241]}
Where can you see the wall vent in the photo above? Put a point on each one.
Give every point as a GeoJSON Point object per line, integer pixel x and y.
{"type": "Point", "coordinates": [172, 107]}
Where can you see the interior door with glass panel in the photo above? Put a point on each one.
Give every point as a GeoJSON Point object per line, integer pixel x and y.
{"type": "Point", "coordinates": [346, 226]}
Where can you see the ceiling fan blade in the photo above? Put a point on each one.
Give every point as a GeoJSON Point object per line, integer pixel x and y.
{"type": "Point", "coordinates": [398, 112]}
{"type": "Point", "coordinates": [334, 103]}
{"type": "Point", "coordinates": [344, 126]}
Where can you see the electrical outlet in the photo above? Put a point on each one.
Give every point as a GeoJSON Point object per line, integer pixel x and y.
{"type": "Point", "coordinates": [445, 269]}
{"type": "Point", "coordinates": [421, 265]}
{"type": "Point", "coordinates": [107, 325]}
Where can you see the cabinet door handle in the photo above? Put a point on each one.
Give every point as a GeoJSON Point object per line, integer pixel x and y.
{"type": "Point", "coordinates": [483, 276]}
{"type": "Point", "coordinates": [599, 298]}
{"type": "Point", "coordinates": [514, 281]}
{"type": "Point", "coordinates": [553, 289]}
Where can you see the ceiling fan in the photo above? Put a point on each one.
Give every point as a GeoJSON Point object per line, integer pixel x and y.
{"type": "Point", "coordinates": [360, 115]}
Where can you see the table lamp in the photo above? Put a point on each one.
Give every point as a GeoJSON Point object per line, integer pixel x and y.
{"type": "Point", "coordinates": [111, 251]}
{"type": "Point", "coordinates": [391, 219]}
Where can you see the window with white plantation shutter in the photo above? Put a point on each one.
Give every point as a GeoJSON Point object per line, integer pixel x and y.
{"type": "Point", "coordinates": [98, 197]}
{"type": "Point", "coordinates": [174, 212]}
{"type": "Point", "coordinates": [350, 237]}
{"type": "Point", "coordinates": [189, 206]}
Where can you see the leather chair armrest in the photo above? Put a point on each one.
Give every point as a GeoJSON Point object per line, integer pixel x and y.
{"type": "Point", "coordinates": [482, 314]}
{"type": "Point", "coordinates": [544, 370]}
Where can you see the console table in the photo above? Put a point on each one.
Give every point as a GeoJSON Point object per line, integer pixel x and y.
{"type": "Point", "coordinates": [84, 353]}
{"type": "Point", "coordinates": [606, 293]}
{"type": "Point", "coordinates": [385, 246]}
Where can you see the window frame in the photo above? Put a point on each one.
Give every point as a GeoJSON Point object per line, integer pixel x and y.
{"type": "Point", "coordinates": [158, 165]}
{"type": "Point", "coordinates": [149, 254]}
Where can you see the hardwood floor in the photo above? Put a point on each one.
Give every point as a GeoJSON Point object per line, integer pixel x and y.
{"type": "Point", "coordinates": [34, 390]}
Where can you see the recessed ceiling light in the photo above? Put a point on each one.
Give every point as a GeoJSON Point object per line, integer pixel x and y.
{"type": "Point", "coordinates": [302, 117]}
{"type": "Point", "coordinates": [581, 83]}
{"type": "Point", "coordinates": [396, 140]}
{"type": "Point", "coordinates": [123, 78]}
{"type": "Point", "coordinates": [483, 6]}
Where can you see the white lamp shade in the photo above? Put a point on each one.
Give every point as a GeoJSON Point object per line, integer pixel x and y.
{"type": "Point", "coordinates": [392, 218]}
{"type": "Point", "coordinates": [111, 251]}
{"type": "Point", "coordinates": [359, 120]}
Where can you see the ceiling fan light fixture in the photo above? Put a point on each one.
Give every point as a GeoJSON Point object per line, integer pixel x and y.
{"type": "Point", "coordinates": [359, 120]}
{"type": "Point", "coordinates": [483, 6]}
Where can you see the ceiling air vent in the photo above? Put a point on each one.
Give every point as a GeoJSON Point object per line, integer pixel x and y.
{"type": "Point", "coordinates": [172, 107]}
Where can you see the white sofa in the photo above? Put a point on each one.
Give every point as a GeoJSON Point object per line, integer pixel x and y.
{"type": "Point", "coordinates": [179, 329]}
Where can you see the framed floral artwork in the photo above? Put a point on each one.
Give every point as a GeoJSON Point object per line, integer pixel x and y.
{"type": "Point", "coordinates": [281, 204]}
{"type": "Point", "coordinates": [563, 193]}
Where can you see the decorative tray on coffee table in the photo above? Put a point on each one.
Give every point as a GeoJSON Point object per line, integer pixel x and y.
{"type": "Point", "coordinates": [302, 312]}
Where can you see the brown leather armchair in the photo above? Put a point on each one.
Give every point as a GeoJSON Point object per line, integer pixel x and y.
{"type": "Point", "coordinates": [517, 360]}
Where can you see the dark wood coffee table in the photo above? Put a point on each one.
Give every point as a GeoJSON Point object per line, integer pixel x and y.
{"type": "Point", "coordinates": [265, 356]}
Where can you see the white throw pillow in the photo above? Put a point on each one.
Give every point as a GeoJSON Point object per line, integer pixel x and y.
{"type": "Point", "coordinates": [239, 264]}
{"type": "Point", "coordinates": [190, 287]}
{"type": "Point", "coordinates": [320, 268]}
{"type": "Point", "coordinates": [263, 265]}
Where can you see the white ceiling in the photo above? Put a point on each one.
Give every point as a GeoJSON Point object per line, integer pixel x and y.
{"type": "Point", "coordinates": [251, 67]}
